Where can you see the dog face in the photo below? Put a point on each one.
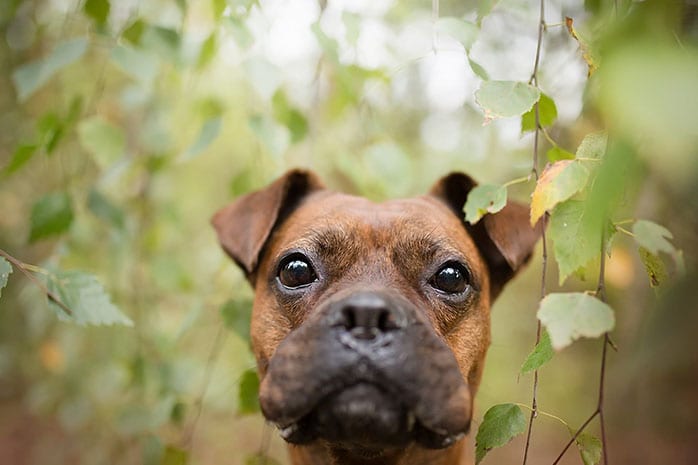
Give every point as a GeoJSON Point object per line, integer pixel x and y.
{"type": "Point", "coordinates": [370, 321]}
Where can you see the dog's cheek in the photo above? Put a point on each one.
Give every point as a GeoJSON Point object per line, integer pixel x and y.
{"type": "Point", "coordinates": [268, 328]}
{"type": "Point", "coordinates": [469, 343]}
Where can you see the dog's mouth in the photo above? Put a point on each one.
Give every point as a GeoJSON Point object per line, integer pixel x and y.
{"type": "Point", "coordinates": [364, 417]}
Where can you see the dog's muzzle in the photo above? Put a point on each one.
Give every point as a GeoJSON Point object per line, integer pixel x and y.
{"type": "Point", "coordinates": [367, 373]}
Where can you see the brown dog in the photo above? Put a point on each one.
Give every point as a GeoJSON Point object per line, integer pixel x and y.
{"type": "Point", "coordinates": [370, 321]}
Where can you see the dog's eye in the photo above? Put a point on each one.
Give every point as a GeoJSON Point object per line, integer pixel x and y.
{"type": "Point", "coordinates": [452, 278]}
{"type": "Point", "coordinates": [296, 271]}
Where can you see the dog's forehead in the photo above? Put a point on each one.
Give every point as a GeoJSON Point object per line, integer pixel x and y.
{"type": "Point", "coordinates": [340, 217]}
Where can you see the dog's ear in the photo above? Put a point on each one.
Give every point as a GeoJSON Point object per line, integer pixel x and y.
{"type": "Point", "coordinates": [245, 225]}
{"type": "Point", "coordinates": [505, 239]}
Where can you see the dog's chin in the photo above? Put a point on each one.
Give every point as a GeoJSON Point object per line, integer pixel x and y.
{"type": "Point", "coordinates": [367, 421]}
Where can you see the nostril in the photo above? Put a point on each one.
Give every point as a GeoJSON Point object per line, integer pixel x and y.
{"type": "Point", "coordinates": [384, 321]}
{"type": "Point", "coordinates": [349, 318]}
{"type": "Point", "coordinates": [367, 322]}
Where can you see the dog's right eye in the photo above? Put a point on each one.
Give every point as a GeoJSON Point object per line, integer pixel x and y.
{"type": "Point", "coordinates": [296, 271]}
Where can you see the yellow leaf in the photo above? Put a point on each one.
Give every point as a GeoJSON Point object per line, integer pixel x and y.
{"type": "Point", "coordinates": [559, 181]}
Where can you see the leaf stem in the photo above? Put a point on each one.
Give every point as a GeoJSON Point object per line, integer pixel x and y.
{"type": "Point", "coordinates": [545, 414]}
{"type": "Point", "coordinates": [26, 269]}
{"type": "Point", "coordinates": [624, 231]}
{"type": "Point", "coordinates": [548, 137]}
{"type": "Point", "coordinates": [517, 181]}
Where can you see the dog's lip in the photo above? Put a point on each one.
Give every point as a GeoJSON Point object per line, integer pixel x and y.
{"type": "Point", "coordinates": [299, 431]}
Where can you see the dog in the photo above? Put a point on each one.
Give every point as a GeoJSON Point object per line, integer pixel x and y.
{"type": "Point", "coordinates": [371, 321]}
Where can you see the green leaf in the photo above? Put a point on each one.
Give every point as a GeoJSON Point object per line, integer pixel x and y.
{"type": "Point", "coordinates": [141, 65]}
{"type": "Point", "coordinates": [164, 42]}
{"type": "Point", "coordinates": [590, 448]}
{"type": "Point", "coordinates": [274, 137]}
{"type": "Point", "coordinates": [501, 99]}
{"type": "Point", "coordinates": [248, 395]}
{"type": "Point", "coordinates": [328, 45]}
{"type": "Point", "coordinates": [218, 7]}
{"type": "Point", "coordinates": [105, 210]}
{"type": "Point", "coordinates": [236, 316]}
{"type": "Point", "coordinates": [653, 237]}
{"type": "Point", "coordinates": [98, 10]}
{"type": "Point", "coordinates": [547, 113]}
{"type": "Point", "coordinates": [484, 7]}
{"type": "Point", "coordinates": [569, 316]}
{"type": "Point", "coordinates": [134, 32]}
{"type": "Point", "coordinates": [50, 128]}
{"type": "Point", "coordinates": [22, 154]}
{"type": "Point", "coordinates": [208, 51]}
{"type": "Point", "coordinates": [208, 133]}
{"type": "Point", "coordinates": [152, 450]}
{"type": "Point", "coordinates": [501, 424]}
{"type": "Point", "coordinates": [558, 153]}
{"type": "Point", "coordinates": [5, 271]}
{"type": "Point", "coordinates": [29, 77]}
{"type": "Point", "coordinates": [542, 353]}
{"type": "Point", "coordinates": [86, 298]}
{"type": "Point", "coordinates": [461, 30]}
{"type": "Point", "coordinates": [654, 266]}
{"type": "Point", "coordinates": [576, 236]}
{"type": "Point", "coordinates": [593, 146]}
{"type": "Point", "coordinates": [478, 69]}
{"type": "Point", "coordinates": [106, 142]}
{"type": "Point", "coordinates": [289, 116]}
{"type": "Point", "coordinates": [559, 182]}
{"type": "Point", "coordinates": [51, 215]}
{"type": "Point", "coordinates": [174, 456]}
{"type": "Point", "coordinates": [483, 199]}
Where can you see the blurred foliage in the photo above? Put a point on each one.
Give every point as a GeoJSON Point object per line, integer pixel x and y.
{"type": "Point", "coordinates": [126, 124]}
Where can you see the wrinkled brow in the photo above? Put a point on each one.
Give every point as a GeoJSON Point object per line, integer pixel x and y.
{"type": "Point", "coordinates": [329, 241]}
{"type": "Point", "coordinates": [419, 249]}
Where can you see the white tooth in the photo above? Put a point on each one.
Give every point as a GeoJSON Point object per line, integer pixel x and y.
{"type": "Point", "coordinates": [452, 439]}
{"type": "Point", "coordinates": [287, 431]}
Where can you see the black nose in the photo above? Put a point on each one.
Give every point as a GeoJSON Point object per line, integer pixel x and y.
{"type": "Point", "coordinates": [368, 315]}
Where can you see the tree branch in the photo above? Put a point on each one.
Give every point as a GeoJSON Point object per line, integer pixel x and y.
{"type": "Point", "coordinates": [23, 267]}
{"type": "Point", "coordinates": [601, 295]}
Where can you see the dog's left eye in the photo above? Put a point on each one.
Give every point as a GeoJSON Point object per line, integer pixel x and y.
{"type": "Point", "coordinates": [452, 278]}
{"type": "Point", "coordinates": [296, 271]}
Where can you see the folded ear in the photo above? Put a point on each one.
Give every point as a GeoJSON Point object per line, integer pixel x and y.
{"type": "Point", "coordinates": [245, 225]}
{"type": "Point", "coordinates": [505, 239]}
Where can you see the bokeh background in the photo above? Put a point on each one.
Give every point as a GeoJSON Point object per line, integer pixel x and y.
{"type": "Point", "coordinates": [145, 117]}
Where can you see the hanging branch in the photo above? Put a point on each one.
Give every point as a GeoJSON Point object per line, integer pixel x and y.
{"type": "Point", "coordinates": [601, 295]}
{"type": "Point", "coordinates": [534, 81]}
{"type": "Point", "coordinates": [26, 269]}
{"type": "Point", "coordinates": [189, 432]}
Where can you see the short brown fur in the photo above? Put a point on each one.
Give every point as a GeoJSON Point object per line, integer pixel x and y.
{"type": "Point", "coordinates": [365, 246]}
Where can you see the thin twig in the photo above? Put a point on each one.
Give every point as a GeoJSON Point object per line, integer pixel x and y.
{"type": "Point", "coordinates": [534, 81]}
{"type": "Point", "coordinates": [575, 436]}
{"type": "Point", "coordinates": [601, 295]}
{"type": "Point", "coordinates": [188, 434]}
{"type": "Point", "coordinates": [434, 19]}
{"type": "Point", "coordinates": [50, 294]}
